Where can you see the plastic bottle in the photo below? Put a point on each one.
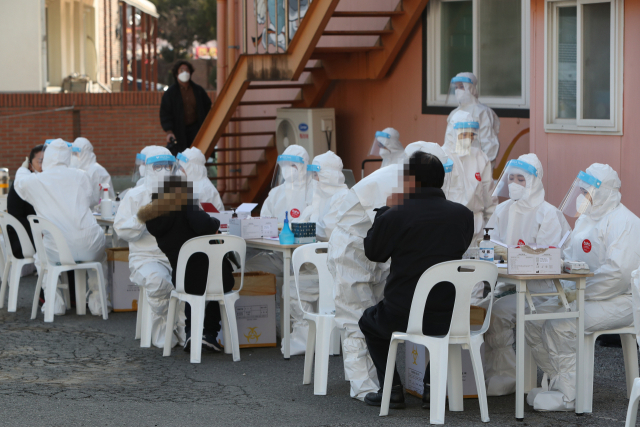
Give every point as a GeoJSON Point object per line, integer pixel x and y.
{"type": "Point", "coordinates": [106, 205]}
{"type": "Point", "coordinates": [486, 247]}
{"type": "Point", "coordinates": [116, 204]}
{"type": "Point", "coordinates": [286, 235]}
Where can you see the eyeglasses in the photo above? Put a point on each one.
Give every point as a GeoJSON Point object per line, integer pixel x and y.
{"type": "Point", "coordinates": [157, 167]}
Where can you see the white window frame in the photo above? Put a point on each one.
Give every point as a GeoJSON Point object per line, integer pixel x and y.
{"type": "Point", "coordinates": [434, 99]}
{"type": "Point", "coordinates": [612, 126]}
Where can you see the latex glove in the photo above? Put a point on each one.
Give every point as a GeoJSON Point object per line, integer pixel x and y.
{"type": "Point", "coordinates": [500, 251]}
{"type": "Point", "coordinates": [25, 164]}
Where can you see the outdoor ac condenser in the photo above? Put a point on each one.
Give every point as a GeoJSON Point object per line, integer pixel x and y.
{"type": "Point", "coordinates": [312, 128]}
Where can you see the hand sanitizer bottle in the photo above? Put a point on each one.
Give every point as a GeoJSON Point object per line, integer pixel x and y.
{"type": "Point", "coordinates": [106, 205]}
{"type": "Point", "coordinates": [286, 235]}
{"type": "Point", "coordinates": [486, 247]}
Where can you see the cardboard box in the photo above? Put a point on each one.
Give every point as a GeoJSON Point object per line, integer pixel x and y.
{"type": "Point", "coordinates": [224, 218]}
{"type": "Point", "coordinates": [253, 228]}
{"type": "Point", "coordinates": [416, 359]}
{"type": "Point", "coordinates": [122, 293]}
{"type": "Point", "coordinates": [256, 310]}
{"type": "Point", "coordinates": [526, 260]}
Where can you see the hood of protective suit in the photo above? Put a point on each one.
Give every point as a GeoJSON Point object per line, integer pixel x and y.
{"type": "Point", "coordinates": [470, 93]}
{"type": "Point", "coordinates": [534, 191]}
{"type": "Point", "coordinates": [56, 154]}
{"type": "Point", "coordinates": [393, 151]}
{"type": "Point", "coordinates": [146, 150]}
{"type": "Point", "coordinates": [458, 117]}
{"type": "Point", "coordinates": [296, 176]}
{"type": "Point", "coordinates": [86, 156]}
{"type": "Point", "coordinates": [152, 179]}
{"type": "Point", "coordinates": [607, 197]}
{"type": "Point", "coordinates": [373, 190]}
{"type": "Point", "coordinates": [426, 147]}
{"type": "Point", "coordinates": [195, 168]}
{"type": "Point", "coordinates": [330, 181]}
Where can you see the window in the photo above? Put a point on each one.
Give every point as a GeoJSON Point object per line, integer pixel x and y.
{"type": "Point", "coordinates": [583, 69]}
{"type": "Point", "coordinates": [487, 37]}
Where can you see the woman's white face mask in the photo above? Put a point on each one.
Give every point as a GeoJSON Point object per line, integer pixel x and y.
{"type": "Point", "coordinates": [463, 145]}
{"type": "Point", "coordinates": [463, 97]}
{"type": "Point", "coordinates": [516, 191]}
{"type": "Point", "coordinates": [583, 205]}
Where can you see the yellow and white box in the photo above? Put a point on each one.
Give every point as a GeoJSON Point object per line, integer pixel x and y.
{"type": "Point", "coordinates": [527, 260]}
{"type": "Point", "coordinates": [123, 293]}
{"type": "Point", "coordinates": [416, 361]}
{"type": "Point", "coordinates": [256, 310]}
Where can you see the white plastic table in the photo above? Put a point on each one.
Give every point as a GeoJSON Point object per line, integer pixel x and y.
{"type": "Point", "coordinates": [526, 369]}
{"type": "Point", "coordinates": [286, 251]}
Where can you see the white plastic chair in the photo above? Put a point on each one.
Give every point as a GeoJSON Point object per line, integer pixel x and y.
{"type": "Point", "coordinates": [445, 351]}
{"type": "Point", "coordinates": [215, 247]}
{"type": "Point", "coordinates": [52, 271]}
{"type": "Point", "coordinates": [13, 266]}
{"type": "Point", "coordinates": [143, 320]}
{"type": "Point", "coordinates": [629, 350]}
{"type": "Point", "coordinates": [321, 324]}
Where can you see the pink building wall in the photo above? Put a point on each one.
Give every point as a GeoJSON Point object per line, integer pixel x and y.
{"type": "Point", "coordinates": [563, 155]}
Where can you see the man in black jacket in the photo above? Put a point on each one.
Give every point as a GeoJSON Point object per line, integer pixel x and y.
{"type": "Point", "coordinates": [183, 109]}
{"type": "Point", "coordinates": [422, 229]}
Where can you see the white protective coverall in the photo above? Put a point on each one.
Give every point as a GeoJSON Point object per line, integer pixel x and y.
{"type": "Point", "coordinates": [330, 184]}
{"type": "Point", "coordinates": [63, 196]}
{"type": "Point", "coordinates": [358, 282]}
{"type": "Point", "coordinates": [485, 116]}
{"type": "Point", "coordinates": [606, 237]}
{"type": "Point", "coordinates": [472, 180]}
{"type": "Point", "coordinates": [192, 161]}
{"type": "Point", "coordinates": [392, 151]}
{"type": "Point", "coordinates": [149, 266]}
{"type": "Point", "coordinates": [523, 219]}
{"type": "Point", "coordinates": [83, 158]}
{"type": "Point", "coordinates": [291, 196]}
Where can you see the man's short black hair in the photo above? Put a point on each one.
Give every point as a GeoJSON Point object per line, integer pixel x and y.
{"type": "Point", "coordinates": [427, 170]}
{"type": "Point", "coordinates": [177, 65]}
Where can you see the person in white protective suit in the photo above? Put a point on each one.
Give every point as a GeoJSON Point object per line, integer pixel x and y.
{"type": "Point", "coordinates": [386, 144]}
{"type": "Point", "coordinates": [63, 196]}
{"type": "Point", "coordinates": [605, 236]}
{"type": "Point", "coordinates": [358, 282]}
{"type": "Point", "coordinates": [327, 181]}
{"type": "Point", "coordinates": [464, 85]}
{"type": "Point", "coordinates": [526, 218]}
{"type": "Point", "coordinates": [149, 266]}
{"type": "Point", "coordinates": [83, 158]}
{"type": "Point", "coordinates": [192, 162]}
{"type": "Point", "coordinates": [472, 180]}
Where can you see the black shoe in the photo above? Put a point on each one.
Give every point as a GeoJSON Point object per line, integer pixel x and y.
{"type": "Point", "coordinates": [396, 401]}
{"type": "Point", "coordinates": [426, 396]}
{"type": "Point", "coordinates": [187, 342]}
{"type": "Point", "coordinates": [210, 342]}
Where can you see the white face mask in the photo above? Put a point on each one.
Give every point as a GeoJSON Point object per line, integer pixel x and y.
{"type": "Point", "coordinates": [583, 205]}
{"type": "Point", "coordinates": [463, 145]}
{"type": "Point", "coordinates": [289, 173]}
{"type": "Point", "coordinates": [184, 76]}
{"type": "Point", "coordinates": [384, 152]}
{"type": "Point", "coordinates": [516, 191]}
{"type": "Point", "coordinates": [463, 97]}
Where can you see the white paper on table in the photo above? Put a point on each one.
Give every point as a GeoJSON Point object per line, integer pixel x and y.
{"type": "Point", "coordinates": [246, 207]}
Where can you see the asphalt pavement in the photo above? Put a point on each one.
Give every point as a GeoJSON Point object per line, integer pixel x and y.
{"type": "Point", "coordinates": [85, 371]}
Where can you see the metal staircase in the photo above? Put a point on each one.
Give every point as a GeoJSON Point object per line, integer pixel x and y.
{"type": "Point", "coordinates": [240, 127]}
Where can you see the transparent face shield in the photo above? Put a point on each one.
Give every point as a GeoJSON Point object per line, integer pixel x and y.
{"type": "Point", "coordinates": [516, 173]}
{"type": "Point", "coordinates": [140, 162]}
{"type": "Point", "coordinates": [182, 163]}
{"type": "Point", "coordinates": [164, 165]}
{"type": "Point", "coordinates": [448, 168]}
{"type": "Point", "coordinates": [580, 196]}
{"type": "Point", "coordinates": [466, 134]}
{"type": "Point", "coordinates": [288, 170]}
{"type": "Point", "coordinates": [457, 84]}
{"type": "Point", "coordinates": [378, 143]}
{"type": "Point", "coordinates": [312, 172]}
{"type": "Point", "coordinates": [75, 157]}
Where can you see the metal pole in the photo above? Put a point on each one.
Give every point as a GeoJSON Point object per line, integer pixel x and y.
{"type": "Point", "coordinates": [255, 14]}
{"type": "Point", "coordinates": [134, 49]}
{"type": "Point", "coordinates": [286, 25]}
{"type": "Point", "coordinates": [143, 53]}
{"type": "Point", "coordinates": [244, 26]}
{"type": "Point", "coordinates": [155, 53]}
{"type": "Point", "coordinates": [125, 48]}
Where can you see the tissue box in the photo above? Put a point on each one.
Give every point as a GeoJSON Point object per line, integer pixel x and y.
{"type": "Point", "coordinates": [253, 228]}
{"type": "Point", "coordinates": [526, 260]}
{"type": "Point", "coordinates": [304, 232]}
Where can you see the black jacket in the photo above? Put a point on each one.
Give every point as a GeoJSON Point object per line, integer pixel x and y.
{"type": "Point", "coordinates": [172, 230]}
{"type": "Point", "coordinates": [426, 230]}
{"type": "Point", "coordinates": [20, 210]}
{"type": "Point", "coordinates": [172, 113]}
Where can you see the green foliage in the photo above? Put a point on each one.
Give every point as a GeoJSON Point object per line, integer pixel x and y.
{"type": "Point", "coordinates": [182, 22]}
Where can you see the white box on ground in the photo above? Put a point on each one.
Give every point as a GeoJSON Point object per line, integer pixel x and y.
{"type": "Point", "coordinates": [527, 260]}
{"type": "Point", "coordinates": [256, 310]}
{"type": "Point", "coordinates": [123, 293]}
{"type": "Point", "coordinates": [253, 228]}
{"type": "Point", "coordinates": [416, 360]}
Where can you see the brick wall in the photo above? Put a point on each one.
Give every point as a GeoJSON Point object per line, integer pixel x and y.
{"type": "Point", "coordinates": [118, 125]}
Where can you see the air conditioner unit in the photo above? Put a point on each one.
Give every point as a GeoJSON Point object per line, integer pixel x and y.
{"type": "Point", "coordinates": [312, 128]}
